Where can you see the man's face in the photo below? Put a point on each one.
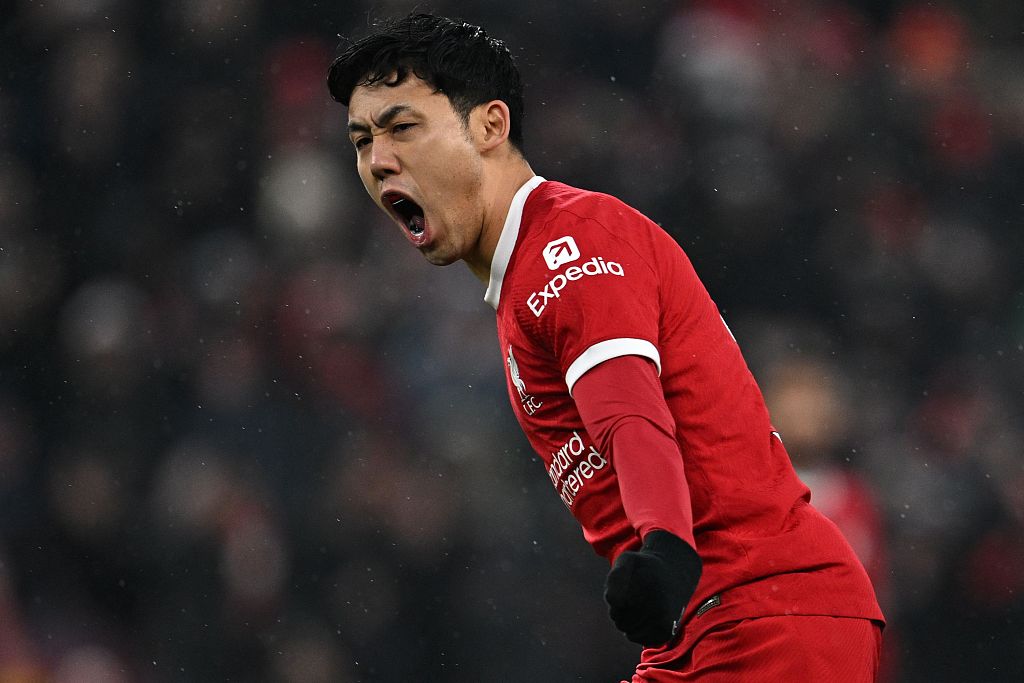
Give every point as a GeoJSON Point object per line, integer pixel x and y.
{"type": "Point", "coordinates": [416, 158]}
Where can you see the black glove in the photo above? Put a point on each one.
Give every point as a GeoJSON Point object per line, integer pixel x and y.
{"type": "Point", "coordinates": [647, 589]}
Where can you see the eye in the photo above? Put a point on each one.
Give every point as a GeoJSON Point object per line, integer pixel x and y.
{"type": "Point", "coordinates": [361, 142]}
{"type": "Point", "coordinates": [399, 128]}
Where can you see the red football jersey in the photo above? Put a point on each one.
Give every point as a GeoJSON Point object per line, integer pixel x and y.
{"type": "Point", "coordinates": [579, 278]}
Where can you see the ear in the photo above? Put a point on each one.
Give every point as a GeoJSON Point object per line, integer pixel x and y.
{"type": "Point", "coordinates": [493, 124]}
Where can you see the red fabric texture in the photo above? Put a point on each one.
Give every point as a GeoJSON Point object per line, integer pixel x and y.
{"type": "Point", "coordinates": [782, 648]}
{"type": "Point", "coordinates": [624, 410]}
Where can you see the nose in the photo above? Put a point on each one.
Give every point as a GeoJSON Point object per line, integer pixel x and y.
{"type": "Point", "coordinates": [383, 161]}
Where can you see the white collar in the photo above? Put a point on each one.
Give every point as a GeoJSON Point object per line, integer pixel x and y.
{"type": "Point", "coordinates": [507, 240]}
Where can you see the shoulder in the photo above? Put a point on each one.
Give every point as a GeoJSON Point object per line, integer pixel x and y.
{"type": "Point", "coordinates": [577, 247]}
{"type": "Point", "coordinates": [566, 206]}
{"type": "Point", "coordinates": [560, 220]}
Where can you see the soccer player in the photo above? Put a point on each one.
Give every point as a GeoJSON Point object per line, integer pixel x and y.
{"type": "Point", "coordinates": [620, 370]}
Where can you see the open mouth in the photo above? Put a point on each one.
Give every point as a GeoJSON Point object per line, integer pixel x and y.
{"type": "Point", "coordinates": [408, 213]}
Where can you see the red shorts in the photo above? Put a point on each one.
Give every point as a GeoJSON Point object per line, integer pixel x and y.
{"type": "Point", "coordinates": [783, 648]}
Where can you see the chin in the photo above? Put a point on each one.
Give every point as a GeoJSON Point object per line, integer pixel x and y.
{"type": "Point", "coordinates": [438, 258]}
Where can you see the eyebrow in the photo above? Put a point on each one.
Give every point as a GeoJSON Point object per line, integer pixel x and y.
{"type": "Point", "coordinates": [385, 118]}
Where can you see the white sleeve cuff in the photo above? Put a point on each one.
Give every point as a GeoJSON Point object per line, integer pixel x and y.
{"type": "Point", "coordinates": [606, 350]}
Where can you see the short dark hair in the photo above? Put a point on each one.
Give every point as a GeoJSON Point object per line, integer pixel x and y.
{"type": "Point", "coordinates": [457, 59]}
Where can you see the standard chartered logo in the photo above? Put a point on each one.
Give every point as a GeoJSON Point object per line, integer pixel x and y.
{"type": "Point", "coordinates": [572, 466]}
{"type": "Point", "coordinates": [538, 301]}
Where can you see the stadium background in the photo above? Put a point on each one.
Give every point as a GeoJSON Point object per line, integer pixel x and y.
{"type": "Point", "coordinates": [247, 434]}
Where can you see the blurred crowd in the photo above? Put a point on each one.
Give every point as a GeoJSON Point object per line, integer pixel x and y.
{"type": "Point", "coordinates": [248, 434]}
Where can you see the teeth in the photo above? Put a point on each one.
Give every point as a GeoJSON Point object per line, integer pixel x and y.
{"type": "Point", "coordinates": [415, 222]}
{"type": "Point", "coordinates": [416, 225]}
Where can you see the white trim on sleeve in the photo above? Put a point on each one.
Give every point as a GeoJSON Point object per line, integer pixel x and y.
{"type": "Point", "coordinates": [606, 350]}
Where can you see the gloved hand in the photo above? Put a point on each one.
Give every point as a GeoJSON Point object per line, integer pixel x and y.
{"type": "Point", "coordinates": [647, 589]}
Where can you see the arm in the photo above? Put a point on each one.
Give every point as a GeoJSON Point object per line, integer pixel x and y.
{"type": "Point", "coordinates": [624, 410]}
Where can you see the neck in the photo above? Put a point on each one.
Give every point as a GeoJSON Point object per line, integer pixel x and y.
{"type": "Point", "coordinates": [500, 186]}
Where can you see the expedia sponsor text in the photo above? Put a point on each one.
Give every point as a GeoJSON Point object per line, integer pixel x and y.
{"type": "Point", "coordinates": [538, 301]}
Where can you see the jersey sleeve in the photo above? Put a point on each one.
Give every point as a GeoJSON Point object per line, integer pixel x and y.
{"type": "Point", "coordinates": [596, 293]}
{"type": "Point", "coordinates": [624, 410]}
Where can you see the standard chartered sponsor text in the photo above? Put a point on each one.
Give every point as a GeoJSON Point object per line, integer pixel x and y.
{"type": "Point", "coordinates": [581, 461]}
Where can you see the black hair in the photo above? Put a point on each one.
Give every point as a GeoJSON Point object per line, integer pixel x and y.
{"type": "Point", "coordinates": [457, 59]}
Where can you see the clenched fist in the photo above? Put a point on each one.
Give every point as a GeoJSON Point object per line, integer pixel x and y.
{"type": "Point", "coordinates": [647, 589]}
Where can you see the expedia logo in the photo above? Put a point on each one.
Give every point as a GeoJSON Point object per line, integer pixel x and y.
{"type": "Point", "coordinates": [561, 251]}
{"type": "Point", "coordinates": [538, 301]}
